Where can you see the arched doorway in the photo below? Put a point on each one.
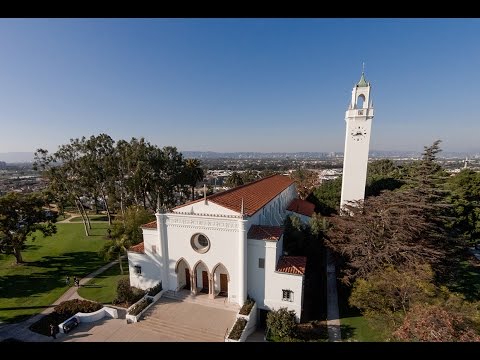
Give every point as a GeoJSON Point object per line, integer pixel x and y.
{"type": "Point", "coordinates": [182, 269]}
{"type": "Point", "coordinates": [221, 279]}
{"type": "Point", "coordinates": [201, 278]}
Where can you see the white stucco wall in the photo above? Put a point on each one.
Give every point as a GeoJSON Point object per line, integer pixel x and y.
{"type": "Point", "coordinates": [266, 285]}
{"type": "Point", "coordinates": [150, 275]}
{"type": "Point", "coordinates": [223, 236]}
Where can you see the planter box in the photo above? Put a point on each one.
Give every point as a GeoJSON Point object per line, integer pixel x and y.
{"type": "Point", "coordinates": [134, 318]}
{"type": "Point", "coordinates": [250, 326]}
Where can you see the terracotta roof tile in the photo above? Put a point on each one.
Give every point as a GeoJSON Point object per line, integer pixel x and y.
{"type": "Point", "coordinates": [150, 225]}
{"type": "Point", "coordinates": [137, 248]}
{"type": "Point", "coordinates": [261, 232]}
{"type": "Point", "coordinates": [255, 195]}
{"type": "Point", "coordinates": [302, 207]}
{"type": "Point", "coordinates": [292, 264]}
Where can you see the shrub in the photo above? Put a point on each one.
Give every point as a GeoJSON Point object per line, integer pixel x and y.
{"type": "Point", "coordinates": [237, 329]}
{"type": "Point", "coordinates": [247, 307]}
{"type": "Point", "coordinates": [137, 309]}
{"type": "Point", "coordinates": [127, 294]}
{"type": "Point", "coordinates": [71, 307]}
{"type": "Point", "coordinates": [155, 290]}
{"type": "Point", "coordinates": [62, 312]}
{"type": "Point", "coordinates": [282, 323]}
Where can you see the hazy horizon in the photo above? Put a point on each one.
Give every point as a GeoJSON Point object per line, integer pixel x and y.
{"type": "Point", "coordinates": [238, 85]}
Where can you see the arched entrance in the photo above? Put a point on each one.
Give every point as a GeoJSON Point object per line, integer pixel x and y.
{"type": "Point", "coordinates": [221, 279]}
{"type": "Point", "coordinates": [184, 276]}
{"type": "Point", "coordinates": [201, 278]}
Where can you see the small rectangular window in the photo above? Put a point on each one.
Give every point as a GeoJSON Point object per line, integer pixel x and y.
{"type": "Point", "coordinates": [261, 263]}
{"type": "Point", "coordinates": [154, 249]}
{"type": "Point", "coordinates": [138, 269]}
{"type": "Point", "coordinates": [287, 295]}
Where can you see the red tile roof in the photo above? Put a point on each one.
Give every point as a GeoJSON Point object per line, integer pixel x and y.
{"type": "Point", "coordinates": [150, 225]}
{"type": "Point", "coordinates": [302, 207]}
{"type": "Point", "coordinates": [292, 264]}
{"type": "Point", "coordinates": [255, 195]}
{"type": "Point", "coordinates": [261, 232]}
{"type": "Point", "coordinates": [137, 248]}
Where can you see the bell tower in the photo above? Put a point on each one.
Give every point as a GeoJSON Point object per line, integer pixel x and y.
{"type": "Point", "coordinates": [358, 119]}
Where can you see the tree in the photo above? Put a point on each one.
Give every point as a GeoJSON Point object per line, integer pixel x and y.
{"type": "Point", "coordinates": [392, 228]}
{"type": "Point", "coordinates": [326, 197]}
{"type": "Point", "coordinates": [435, 323]}
{"type": "Point", "coordinates": [129, 224]}
{"type": "Point", "coordinates": [306, 180]}
{"type": "Point", "coordinates": [383, 175]}
{"type": "Point", "coordinates": [465, 199]}
{"type": "Point", "coordinates": [386, 295]}
{"type": "Point", "coordinates": [115, 248]}
{"type": "Point", "coordinates": [234, 180]}
{"type": "Point", "coordinates": [193, 174]}
{"type": "Point", "coordinates": [21, 216]}
{"type": "Point", "coordinates": [249, 176]}
{"type": "Point", "coordinates": [281, 322]}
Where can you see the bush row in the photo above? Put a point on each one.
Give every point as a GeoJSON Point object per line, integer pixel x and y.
{"type": "Point", "coordinates": [127, 294]}
{"type": "Point", "coordinates": [155, 290]}
{"type": "Point", "coordinates": [62, 312]}
{"type": "Point", "coordinates": [137, 309]}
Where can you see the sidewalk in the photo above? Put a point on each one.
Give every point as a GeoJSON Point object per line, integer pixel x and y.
{"type": "Point", "coordinates": [333, 315]}
{"type": "Point", "coordinates": [21, 331]}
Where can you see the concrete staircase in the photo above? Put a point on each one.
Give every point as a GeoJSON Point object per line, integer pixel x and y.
{"type": "Point", "coordinates": [201, 299]}
{"type": "Point", "coordinates": [186, 323]}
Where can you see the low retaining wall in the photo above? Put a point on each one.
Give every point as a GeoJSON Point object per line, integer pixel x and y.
{"type": "Point", "coordinates": [91, 317]}
{"type": "Point", "coordinates": [134, 318]}
{"type": "Point", "coordinates": [250, 326]}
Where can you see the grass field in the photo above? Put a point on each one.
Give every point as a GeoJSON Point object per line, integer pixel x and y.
{"type": "Point", "coordinates": [91, 217]}
{"type": "Point", "coordinates": [103, 288]}
{"type": "Point", "coordinates": [29, 288]}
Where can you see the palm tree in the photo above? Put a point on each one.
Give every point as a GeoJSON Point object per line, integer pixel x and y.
{"type": "Point", "coordinates": [234, 180]}
{"type": "Point", "coordinates": [115, 248]}
{"type": "Point", "coordinates": [193, 174]}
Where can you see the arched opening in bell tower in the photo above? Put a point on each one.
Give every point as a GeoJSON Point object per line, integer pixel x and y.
{"type": "Point", "coordinates": [360, 101]}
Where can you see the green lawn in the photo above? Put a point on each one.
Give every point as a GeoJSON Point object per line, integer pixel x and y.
{"type": "Point", "coordinates": [103, 288]}
{"type": "Point", "coordinates": [356, 328]}
{"type": "Point", "coordinates": [91, 217]}
{"type": "Point", "coordinates": [29, 288]}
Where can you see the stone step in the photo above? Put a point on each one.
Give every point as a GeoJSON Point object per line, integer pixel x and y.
{"type": "Point", "coordinates": [175, 325]}
{"type": "Point", "coordinates": [180, 332]}
{"type": "Point", "coordinates": [201, 301]}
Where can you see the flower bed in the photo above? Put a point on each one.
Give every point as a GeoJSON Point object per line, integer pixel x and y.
{"type": "Point", "coordinates": [247, 307]}
{"type": "Point", "coordinates": [141, 305]}
{"type": "Point", "coordinates": [155, 290]}
{"type": "Point", "coordinates": [237, 329]}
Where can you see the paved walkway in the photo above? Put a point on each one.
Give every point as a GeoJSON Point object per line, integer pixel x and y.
{"type": "Point", "coordinates": [21, 331]}
{"type": "Point", "coordinates": [333, 316]}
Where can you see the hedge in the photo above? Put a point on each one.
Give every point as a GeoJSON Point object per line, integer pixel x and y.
{"type": "Point", "coordinates": [237, 329]}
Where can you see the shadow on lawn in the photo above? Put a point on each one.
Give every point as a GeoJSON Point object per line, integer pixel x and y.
{"type": "Point", "coordinates": [56, 268]}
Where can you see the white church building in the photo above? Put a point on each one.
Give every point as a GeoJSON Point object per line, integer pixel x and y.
{"type": "Point", "coordinates": [229, 244]}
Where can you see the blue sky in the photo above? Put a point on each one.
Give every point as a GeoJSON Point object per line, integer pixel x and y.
{"type": "Point", "coordinates": [238, 84]}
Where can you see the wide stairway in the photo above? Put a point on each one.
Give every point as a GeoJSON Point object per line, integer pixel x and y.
{"type": "Point", "coordinates": [201, 299]}
{"type": "Point", "coordinates": [175, 320]}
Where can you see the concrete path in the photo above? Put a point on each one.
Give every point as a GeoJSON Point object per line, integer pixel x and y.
{"type": "Point", "coordinates": [333, 316]}
{"type": "Point", "coordinates": [21, 331]}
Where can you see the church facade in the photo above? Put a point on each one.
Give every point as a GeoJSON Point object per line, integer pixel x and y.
{"type": "Point", "coordinates": [229, 244]}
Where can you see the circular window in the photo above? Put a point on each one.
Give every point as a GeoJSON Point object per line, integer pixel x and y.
{"type": "Point", "coordinates": [200, 243]}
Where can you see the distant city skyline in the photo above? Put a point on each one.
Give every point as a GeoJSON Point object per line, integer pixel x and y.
{"type": "Point", "coordinates": [238, 85]}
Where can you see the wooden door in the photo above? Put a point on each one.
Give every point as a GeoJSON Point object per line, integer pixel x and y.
{"type": "Point", "coordinates": [204, 280]}
{"type": "Point", "coordinates": [187, 280]}
{"type": "Point", "coordinates": [223, 283]}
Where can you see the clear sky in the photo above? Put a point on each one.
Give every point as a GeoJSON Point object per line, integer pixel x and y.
{"type": "Point", "coordinates": [279, 85]}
